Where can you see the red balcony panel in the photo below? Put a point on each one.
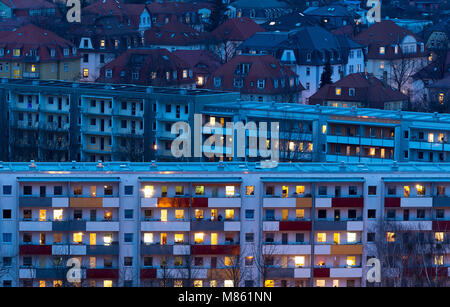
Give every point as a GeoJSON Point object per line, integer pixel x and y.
{"type": "Point", "coordinates": [347, 202]}
{"type": "Point", "coordinates": [392, 202]}
{"type": "Point", "coordinates": [295, 225]}
{"type": "Point", "coordinates": [173, 202]}
{"type": "Point", "coordinates": [148, 273]}
{"type": "Point", "coordinates": [102, 273]}
{"type": "Point", "coordinates": [432, 272]}
{"type": "Point", "coordinates": [215, 249]}
{"type": "Point", "coordinates": [200, 202]}
{"type": "Point", "coordinates": [321, 272]}
{"type": "Point", "coordinates": [441, 226]}
{"type": "Point", "coordinates": [35, 250]}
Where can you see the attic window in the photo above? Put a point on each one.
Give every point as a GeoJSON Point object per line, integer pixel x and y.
{"type": "Point", "coordinates": [351, 92]}
{"type": "Point", "coordinates": [217, 81]}
{"type": "Point", "coordinates": [102, 44]}
{"type": "Point", "coordinates": [382, 50]}
{"type": "Point", "coordinates": [338, 91]}
{"type": "Point", "coordinates": [66, 51]}
{"type": "Point", "coordinates": [261, 83]}
{"type": "Point", "coordinates": [308, 57]}
{"type": "Point", "coordinates": [109, 73]}
{"type": "Point", "coordinates": [52, 53]}
{"type": "Point", "coordinates": [16, 52]}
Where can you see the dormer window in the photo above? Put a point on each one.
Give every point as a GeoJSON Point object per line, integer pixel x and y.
{"type": "Point", "coordinates": [16, 52]}
{"type": "Point", "coordinates": [52, 53]}
{"type": "Point", "coordinates": [66, 51]}
{"type": "Point", "coordinates": [116, 43]}
{"type": "Point", "coordinates": [102, 44]}
{"type": "Point", "coordinates": [308, 57]}
{"type": "Point", "coordinates": [108, 73]}
{"type": "Point", "coordinates": [261, 83]}
{"type": "Point", "coordinates": [351, 92]}
{"type": "Point", "coordinates": [382, 50]}
{"type": "Point", "coordinates": [396, 49]}
{"type": "Point", "coordinates": [2, 52]}
{"type": "Point", "coordinates": [338, 91]}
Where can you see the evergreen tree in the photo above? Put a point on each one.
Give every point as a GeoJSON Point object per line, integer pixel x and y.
{"type": "Point", "coordinates": [218, 16]}
{"type": "Point", "coordinates": [325, 78]}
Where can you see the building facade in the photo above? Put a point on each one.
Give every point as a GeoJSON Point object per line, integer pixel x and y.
{"type": "Point", "coordinates": [218, 224]}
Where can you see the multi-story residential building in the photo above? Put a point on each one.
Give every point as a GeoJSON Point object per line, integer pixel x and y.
{"type": "Point", "coordinates": [64, 121]}
{"type": "Point", "coordinates": [155, 67]}
{"type": "Point", "coordinates": [394, 54]}
{"type": "Point", "coordinates": [34, 53]}
{"type": "Point", "coordinates": [307, 50]}
{"type": "Point", "coordinates": [258, 78]}
{"type": "Point", "coordinates": [223, 224]}
{"type": "Point", "coordinates": [360, 90]}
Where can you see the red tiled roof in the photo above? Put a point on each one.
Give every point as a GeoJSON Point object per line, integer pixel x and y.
{"type": "Point", "coordinates": [113, 8]}
{"type": "Point", "coordinates": [177, 7]}
{"type": "Point", "coordinates": [146, 61]}
{"type": "Point", "coordinates": [264, 67]}
{"type": "Point", "coordinates": [174, 33]}
{"type": "Point", "coordinates": [28, 4]}
{"type": "Point", "coordinates": [202, 61]}
{"type": "Point", "coordinates": [32, 37]}
{"type": "Point", "coordinates": [370, 91]}
{"type": "Point", "coordinates": [237, 29]}
{"type": "Point", "coordinates": [386, 34]}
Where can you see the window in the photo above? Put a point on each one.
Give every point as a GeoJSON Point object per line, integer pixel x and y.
{"type": "Point", "coordinates": [382, 50]}
{"type": "Point", "coordinates": [321, 237]}
{"type": "Point", "coordinates": [78, 238]}
{"type": "Point", "coordinates": [27, 190]}
{"type": "Point", "coordinates": [128, 213]}
{"type": "Point", "coordinates": [322, 190]}
{"type": "Point", "coordinates": [371, 213]}
{"type": "Point", "coordinates": [351, 260]}
{"type": "Point", "coordinates": [250, 190]}
{"type": "Point", "coordinates": [249, 214]}
{"type": "Point", "coordinates": [420, 190]}
{"type": "Point", "coordinates": [57, 214]}
{"type": "Point", "coordinates": [351, 237]}
{"type": "Point", "coordinates": [148, 191]}
{"type": "Point", "coordinates": [108, 190]}
{"type": "Point", "coordinates": [163, 215]}
{"type": "Point", "coordinates": [179, 238]}
{"type": "Point", "coordinates": [439, 236]}
{"type": "Point", "coordinates": [179, 190]}
{"type": "Point", "coordinates": [199, 190]}
{"type": "Point", "coordinates": [406, 191]}
{"type": "Point", "coordinates": [229, 214]}
{"type": "Point", "coordinates": [390, 237]}
{"type": "Point", "coordinates": [148, 237]}
{"type": "Point", "coordinates": [198, 213]}
{"type": "Point", "coordinates": [199, 237]}
{"type": "Point", "coordinates": [338, 91]}
{"type": "Point", "coordinates": [261, 83]}
{"type": "Point", "coordinates": [322, 214]}
{"type": "Point", "coordinates": [229, 191]}
{"type": "Point", "coordinates": [179, 214]}
{"type": "Point", "coordinates": [320, 283]}
{"type": "Point", "coordinates": [372, 190]}
{"type": "Point", "coordinates": [249, 237]}
{"type": "Point", "coordinates": [7, 189]}
{"type": "Point", "coordinates": [6, 214]}
{"type": "Point", "coordinates": [299, 213]}
{"type": "Point", "coordinates": [107, 239]}
{"type": "Point", "coordinates": [370, 237]}
{"type": "Point", "coordinates": [128, 190]}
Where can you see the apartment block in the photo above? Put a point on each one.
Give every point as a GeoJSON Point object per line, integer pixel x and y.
{"type": "Point", "coordinates": [222, 223]}
{"type": "Point", "coordinates": [58, 121]}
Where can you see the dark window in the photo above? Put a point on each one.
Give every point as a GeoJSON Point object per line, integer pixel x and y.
{"type": "Point", "coordinates": [322, 214]}
{"type": "Point", "coordinates": [322, 190]}
{"type": "Point", "coordinates": [168, 108]}
{"type": "Point", "coordinates": [352, 190]}
{"type": "Point", "coordinates": [128, 190]}
{"type": "Point", "coordinates": [420, 213]}
{"type": "Point", "coordinates": [372, 190]}
{"type": "Point", "coordinates": [148, 261]}
{"type": "Point", "coordinates": [370, 237]}
{"type": "Point", "coordinates": [391, 214]}
{"type": "Point", "coordinates": [108, 190]}
{"type": "Point", "coordinates": [249, 214]}
{"type": "Point", "coordinates": [7, 189]}
{"type": "Point", "coordinates": [352, 214]}
{"type": "Point", "coordinates": [57, 190]}
{"type": "Point", "coordinates": [6, 213]}
{"type": "Point", "coordinates": [198, 261]}
{"type": "Point", "coordinates": [371, 213]}
{"type": "Point", "coordinates": [128, 213]}
{"type": "Point", "coordinates": [27, 190]}
{"type": "Point", "coordinates": [77, 214]}
{"type": "Point", "coordinates": [128, 261]}
{"type": "Point", "coordinates": [249, 236]}
{"type": "Point", "coordinates": [439, 213]}
{"type": "Point", "coordinates": [128, 237]}
{"type": "Point", "coordinates": [269, 190]}
{"type": "Point", "coordinates": [299, 237]}
{"type": "Point", "coordinates": [248, 283]}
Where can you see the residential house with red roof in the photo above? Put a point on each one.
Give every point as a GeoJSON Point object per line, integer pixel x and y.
{"type": "Point", "coordinates": [34, 53]}
{"type": "Point", "coordinates": [174, 35]}
{"type": "Point", "coordinates": [258, 78]}
{"type": "Point", "coordinates": [394, 54]}
{"type": "Point", "coordinates": [203, 62]}
{"type": "Point", "coordinates": [155, 67]}
{"type": "Point", "coordinates": [361, 91]}
{"type": "Point", "coordinates": [23, 8]}
{"type": "Point", "coordinates": [228, 36]}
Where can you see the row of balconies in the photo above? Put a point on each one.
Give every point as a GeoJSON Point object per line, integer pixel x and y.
{"type": "Point", "coordinates": [186, 202]}
{"type": "Point", "coordinates": [417, 202]}
{"type": "Point", "coordinates": [66, 249]}
{"type": "Point", "coordinates": [320, 202]}
{"type": "Point", "coordinates": [307, 225]}
{"type": "Point", "coordinates": [319, 249]}
{"type": "Point", "coordinates": [60, 273]}
{"type": "Point", "coordinates": [72, 202]}
{"type": "Point", "coordinates": [75, 225]}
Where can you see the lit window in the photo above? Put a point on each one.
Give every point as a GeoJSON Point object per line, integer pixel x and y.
{"type": "Point", "coordinates": [42, 283]}
{"type": "Point", "coordinates": [310, 147]}
{"type": "Point", "coordinates": [200, 80]}
{"type": "Point", "coordinates": [284, 215]}
{"type": "Point", "coordinates": [269, 284]}
{"type": "Point", "coordinates": [291, 146]}
{"type": "Point", "coordinates": [93, 190]}
{"type": "Point", "coordinates": [179, 214]}
{"type": "Point", "coordinates": [57, 283]}
{"type": "Point", "coordinates": [185, 74]}
{"type": "Point", "coordinates": [198, 283]}
{"type": "Point", "coordinates": [107, 239]}
{"type": "Point", "coordinates": [441, 98]}
{"type": "Point", "coordinates": [179, 190]}
{"type": "Point", "coordinates": [300, 189]}
{"type": "Point", "coordinates": [338, 91]}
{"type": "Point", "coordinates": [213, 238]}
{"type": "Point", "coordinates": [93, 239]}
{"type": "Point", "coordinates": [406, 191]}
{"type": "Point", "coordinates": [164, 215]}
{"type": "Point", "coordinates": [390, 236]}
{"type": "Point", "coordinates": [199, 237]}
{"type": "Point", "coordinates": [16, 52]}
{"type": "Point", "coordinates": [351, 237]}
{"type": "Point", "coordinates": [200, 190]}
{"type": "Point", "coordinates": [42, 215]}
{"type": "Point", "coordinates": [228, 283]}
{"type": "Point", "coordinates": [299, 261]}
{"type": "Point", "coordinates": [178, 283]}
{"type": "Point", "coordinates": [102, 43]}
{"type": "Point", "coordinates": [107, 283]}
{"type": "Point", "coordinates": [250, 190]}
{"type": "Point", "coordinates": [320, 283]}
{"type": "Point", "coordinates": [321, 237]}
{"type": "Point", "coordinates": [300, 213]}
{"type": "Point", "coordinates": [179, 238]}
{"type": "Point", "coordinates": [324, 129]}
{"type": "Point", "coordinates": [163, 238]}
{"type": "Point", "coordinates": [382, 50]}
{"type": "Point", "coordinates": [420, 190]}
{"type": "Point", "coordinates": [148, 191]}
{"type": "Point", "coordinates": [229, 214]}
{"type": "Point", "coordinates": [439, 260]}
{"type": "Point", "coordinates": [78, 237]}
{"type": "Point", "coordinates": [335, 282]}
{"type": "Point", "coordinates": [148, 237]}
{"type": "Point", "coordinates": [351, 260]}
{"type": "Point", "coordinates": [228, 261]}
{"type": "Point", "coordinates": [229, 190]}
{"type": "Point", "coordinates": [337, 238]}
{"type": "Point", "coordinates": [372, 151]}
{"type": "Point", "coordinates": [33, 68]}
{"type": "Point", "coordinates": [439, 236]}
{"type": "Point", "coordinates": [285, 191]}
{"type": "Point", "coordinates": [86, 72]}
{"type": "Point", "coordinates": [430, 137]}
{"type": "Point", "coordinates": [92, 262]}
{"type": "Point", "coordinates": [199, 213]}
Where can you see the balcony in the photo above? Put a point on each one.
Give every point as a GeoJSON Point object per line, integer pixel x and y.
{"type": "Point", "coordinates": [360, 140]}
{"type": "Point", "coordinates": [112, 249]}
{"type": "Point", "coordinates": [441, 201]}
{"type": "Point", "coordinates": [157, 249]}
{"type": "Point", "coordinates": [409, 202]}
{"type": "Point", "coordinates": [35, 226]}
{"type": "Point", "coordinates": [106, 273]}
{"type": "Point", "coordinates": [94, 202]}
{"type": "Point", "coordinates": [148, 273]}
{"type": "Point", "coordinates": [30, 249]}
{"type": "Point", "coordinates": [288, 202]}
{"type": "Point", "coordinates": [274, 272]}
{"type": "Point", "coordinates": [441, 226]}
{"type": "Point", "coordinates": [206, 225]}
{"type": "Point", "coordinates": [72, 225]}
{"type": "Point", "coordinates": [215, 249]}
{"type": "Point", "coordinates": [102, 226]}
{"type": "Point", "coordinates": [165, 226]}
{"type": "Point", "coordinates": [30, 75]}
{"type": "Point", "coordinates": [286, 249]}
{"type": "Point", "coordinates": [416, 143]}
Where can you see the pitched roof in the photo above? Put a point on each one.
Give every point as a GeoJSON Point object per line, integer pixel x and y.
{"type": "Point", "coordinates": [32, 37]}
{"type": "Point", "coordinates": [264, 67]}
{"type": "Point", "coordinates": [371, 91]}
{"type": "Point", "coordinates": [334, 10]}
{"type": "Point", "coordinates": [289, 22]}
{"type": "Point", "coordinates": [237, 29]}
{"type": "Point", "coordinates": [259, 4]}
{"type": "Point", "coordinates": [28, 4]}
{"type": "Point", "coordinates": [202, 61]}
{"type": "Point", "coordinates": [174, 33]}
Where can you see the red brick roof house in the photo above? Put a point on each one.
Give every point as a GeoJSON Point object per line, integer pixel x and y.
{"type": "Point", "coordinates": [393, 53]}
{"type": "Point", "coordinates": [173, 36]}
{"type": "Point", "coordinates": [203, 63]}
{"type": "Point", "coordinates": [155, 67]}
{"type": "Point", "coordinates": [228, 36]}
{"type": "Point", "coordinates": [32, 52]}
{"type": "Point", "coordinates": [362, 91]}
{"type": "Point", "coordinates": [257, 77]}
